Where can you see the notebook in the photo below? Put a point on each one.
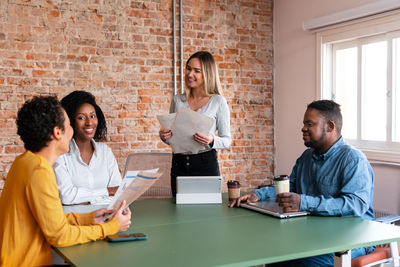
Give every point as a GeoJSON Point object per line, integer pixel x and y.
{"type": "Point", "coordinates": [198, 190]}
{"type": "Point", "coordinates": [270, 207]}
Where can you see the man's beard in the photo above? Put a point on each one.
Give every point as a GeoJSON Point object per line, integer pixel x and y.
{"type": "Point", "coordinates": [316, 144]}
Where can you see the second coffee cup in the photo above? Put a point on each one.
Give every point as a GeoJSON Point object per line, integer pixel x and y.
{"type": "Point", "coordinates": [233, 189]}
{"type": "Point", "coordinates": [281, 183]}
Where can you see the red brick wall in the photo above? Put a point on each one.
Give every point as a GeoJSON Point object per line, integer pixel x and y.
{"type": "Point", "coordinates": [122, 52]}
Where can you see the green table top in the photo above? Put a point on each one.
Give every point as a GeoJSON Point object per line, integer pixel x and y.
{"type": "Point", "coordinates": [216, 235]}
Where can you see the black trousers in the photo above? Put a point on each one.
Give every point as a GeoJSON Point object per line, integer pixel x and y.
{"type": "Point", "coordinates": [202, 164]}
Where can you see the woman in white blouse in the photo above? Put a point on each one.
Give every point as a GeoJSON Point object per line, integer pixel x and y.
{"type": "Point", "coordinates": [203, 95]}
{"type": "Point", "coordinates": [88, 173]}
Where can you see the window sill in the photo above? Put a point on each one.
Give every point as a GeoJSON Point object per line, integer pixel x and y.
{"type": "Point", "coordinates": [384, 157]}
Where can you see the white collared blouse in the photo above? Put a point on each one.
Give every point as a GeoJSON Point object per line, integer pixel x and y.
{"type": "Point", "coordinates": [79, 182]}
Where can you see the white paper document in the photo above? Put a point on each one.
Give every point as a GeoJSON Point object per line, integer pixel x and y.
{"type": "Point", "coordinates": [184, 125]}
{"type": "Point", "coordinates": [166, 120]}
{"type": "Point", "coordinates": [134, 184]}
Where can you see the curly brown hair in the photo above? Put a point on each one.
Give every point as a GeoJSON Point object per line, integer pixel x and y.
{"type": "Point", "coordinates": [36, 121]}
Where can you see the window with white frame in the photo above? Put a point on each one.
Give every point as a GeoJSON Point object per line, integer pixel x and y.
{"type": "Point", "coordinates": [359, 68]}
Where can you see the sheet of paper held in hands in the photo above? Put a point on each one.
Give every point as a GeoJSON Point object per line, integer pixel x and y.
{"type": "Point", "coordinates": [134, 184]}
{"type": "Point", "coordinates": [166, 120]}
{"type": "Point", "coordinates": [184, 125]}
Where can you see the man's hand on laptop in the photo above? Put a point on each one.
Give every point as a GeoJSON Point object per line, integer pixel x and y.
{"type": "Point", "coordinates": [248, 198]}
{"type": "Point", "coordinates": [288, 201]}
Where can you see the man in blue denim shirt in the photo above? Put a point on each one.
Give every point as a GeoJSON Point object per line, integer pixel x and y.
{"type": "Point", "coordinates": [330, 178]}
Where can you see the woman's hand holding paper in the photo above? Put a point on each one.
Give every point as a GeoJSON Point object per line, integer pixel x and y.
{"type": "Point", "coordinates": [203, 139]}
{"type": "Point", "coordinates": [165, 134]}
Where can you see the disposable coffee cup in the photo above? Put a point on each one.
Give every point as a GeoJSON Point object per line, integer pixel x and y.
{"type": "Point", "coordinates": [233, 189]}
{"type": "Point", "coordinates": [281, 183]}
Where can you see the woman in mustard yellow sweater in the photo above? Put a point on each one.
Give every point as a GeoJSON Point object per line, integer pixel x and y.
{"type": "Point", "coordinates": [31, 217]}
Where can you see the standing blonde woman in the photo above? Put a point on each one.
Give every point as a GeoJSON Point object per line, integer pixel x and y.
{"type": "Point", "coordinates": [203, 95]}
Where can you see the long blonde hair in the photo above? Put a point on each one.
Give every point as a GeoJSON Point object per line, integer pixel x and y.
{"type": "Point", "coordinates": [212, 84]}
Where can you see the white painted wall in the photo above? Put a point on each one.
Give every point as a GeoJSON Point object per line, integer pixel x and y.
{"type": "Point", "coordinates": [295, 87]}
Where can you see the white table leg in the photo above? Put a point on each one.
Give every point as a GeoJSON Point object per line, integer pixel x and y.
{"type": "Point", "coordinates": [395, 253]}
{"type": "Point", "coordinates": [342, 259]}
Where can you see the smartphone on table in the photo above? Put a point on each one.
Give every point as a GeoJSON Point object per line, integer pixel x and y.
{"type": "Point", "coordinates": [126, 237]}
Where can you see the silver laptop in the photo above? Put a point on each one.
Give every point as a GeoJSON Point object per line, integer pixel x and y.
{"type": "Point", "coordinates": [272, 208]}
{"type": "Point", "coordinates": [198, 190]}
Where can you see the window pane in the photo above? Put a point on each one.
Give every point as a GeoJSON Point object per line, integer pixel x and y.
{"type": "Point", "coordinates": [373, 91]}
{"type": "Point", "coordinates": [326, 72]}
{"type": "Point", "coordinates": [396, 91]}
{"type": "Point", "coordinates": [346, 89]}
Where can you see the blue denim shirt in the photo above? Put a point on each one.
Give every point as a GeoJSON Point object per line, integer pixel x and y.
{"type": "Point", "coordinates": [337, 183]}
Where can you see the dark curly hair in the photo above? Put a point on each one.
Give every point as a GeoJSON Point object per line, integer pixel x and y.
{"type": "Point", "coordinates": [36, 120]}
{"type": "Point", "coordinates": [72, 102]}
{"type": "Point", "coordinates": [330, 110]}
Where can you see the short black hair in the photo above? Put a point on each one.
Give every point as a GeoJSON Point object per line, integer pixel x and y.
{"type": "Point", "coordinates": [330, 110]}
{"type": "Point", "coordinates": [72, 102]}
{"type": "Point", "coordinates": [36, 120]}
